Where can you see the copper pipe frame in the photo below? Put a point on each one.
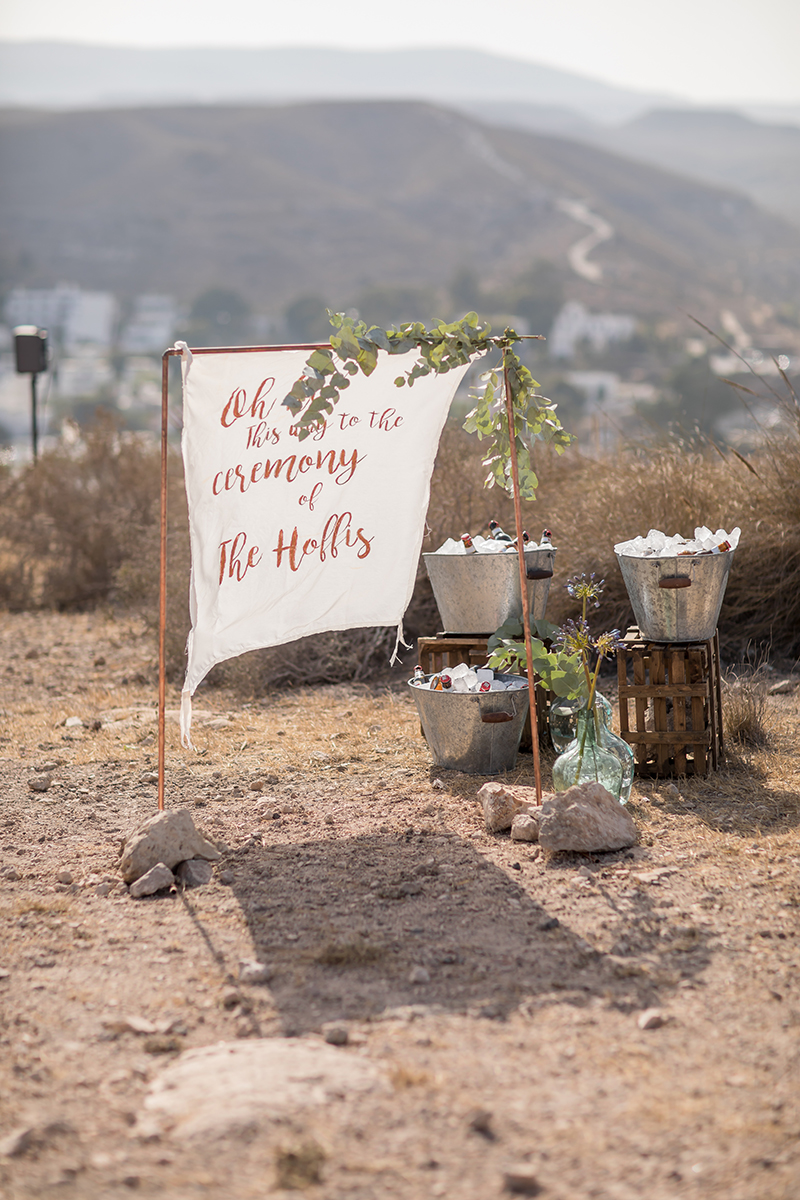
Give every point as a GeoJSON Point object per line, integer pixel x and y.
{"type": "Point", "coordinates": [523, 583]}
{"type": "Point", "coordinates": [174, 352]}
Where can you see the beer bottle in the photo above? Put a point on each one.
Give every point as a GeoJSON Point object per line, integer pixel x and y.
{"type": "Point", "coordinates": [497, 533]}
{"type": "Point", "coordinates": [468, 546]}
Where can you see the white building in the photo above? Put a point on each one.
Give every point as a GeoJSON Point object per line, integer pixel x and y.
{"type": "Point", "coordinates": [151, 329]}
{"type": "Point", "coordinates": [83, 375]}
{"type": "Point", "coordinates": [574, 323]}
{"type": "Point", "coordinates": [72, 317]}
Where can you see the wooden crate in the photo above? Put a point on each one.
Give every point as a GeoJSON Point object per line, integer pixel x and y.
{"type": "Point", "coordinates": [674, 702]}
{"type": "Point", "coordinates": [438, 653]}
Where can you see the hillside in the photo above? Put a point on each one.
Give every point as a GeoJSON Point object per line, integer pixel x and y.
{"type": "Point", "coordinates": [280, 201]}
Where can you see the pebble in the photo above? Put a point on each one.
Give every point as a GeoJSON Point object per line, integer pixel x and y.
{"type": "Point", "coordinates": [524, 828]}
{"type": "Point", "coordinates": [102, 889]}
{"type": "Point", "coordinates": [73, 722]}
{"type": "Point", "coordinates": [161, 1043]}
{"type": "Point", "coordinates": [11, 874]}
{"type": "Point", "coordinates": [335, 1033]}
{"type": "Point", "coordinates": [419, 975]}
{"type": "Point", "coordinates": [520, 1180]}
{"type": "Point", "coordinates": [257, 785]}
{"type": "Point", "coordinates": [230, 997]}
{"type": "Point", "coordinates": [672, 791]}
{"type": "Point", "coordinates": [65, 876]}
{"type": "Point", "coordinates": [152, 881]}
{"type": "Point", "coordinates": [651, 1018]}
{"type": "Point", "coordinates": [479, 1120]}
{"type": "Point", "coordinates": [149, 777]}
{"type": "Point", "coordinates": [40, 783]}
{"type": "Point", "coordinates": [194, 872]}
{"type": "Point", "coordinates": [226, 877]}
{"type": "Point", "coordinates": [27, 1136]}
{"type": "Point", "coordinates": [252, 971]}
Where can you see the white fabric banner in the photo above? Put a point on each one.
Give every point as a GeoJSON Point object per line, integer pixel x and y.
{"type": "Point", "coordinates": [292, 538]}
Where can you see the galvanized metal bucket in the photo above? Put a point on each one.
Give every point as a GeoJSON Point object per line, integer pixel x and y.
{"type": "Point", "coordinates": [677, 599]}
{"type": "Point", "coordinates": [474, 732]}
{"type": "Point", "coordinates": [477, 593]}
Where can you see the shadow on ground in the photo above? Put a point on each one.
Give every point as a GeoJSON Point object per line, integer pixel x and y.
{"type": "Point", "coordinates": [353, 927]}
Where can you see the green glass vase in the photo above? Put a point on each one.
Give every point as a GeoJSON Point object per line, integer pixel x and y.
{"type": "Point", "coordinates": [620, 749]}
{"type": "Point", "coordinates": [587, 760]}
{"type": "Point", "coordinates": [563, 719]}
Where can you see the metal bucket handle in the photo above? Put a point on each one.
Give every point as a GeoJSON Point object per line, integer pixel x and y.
{"type": "Point", "coordinates": [496, 718]}
{"type": "Point", "coordinates": [675, 581]}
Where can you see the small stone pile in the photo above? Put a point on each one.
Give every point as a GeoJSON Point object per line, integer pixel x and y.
{"type": "Point", "coordinates": [585, 819]}
{"type": "Point", "coordinates": [165, 849]}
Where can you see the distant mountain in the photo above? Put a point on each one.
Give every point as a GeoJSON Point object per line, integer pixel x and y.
{"type": "Point", "coordinates": [73, 75]}
{"type": "Point", "coordinates": [333, 198]}
{"type": "Point", "coordinates": [727, 148]}
{"type": "Point", "coordinates": [721, 147]}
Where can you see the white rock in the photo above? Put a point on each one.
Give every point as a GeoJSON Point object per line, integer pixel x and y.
{"type": "Point", "coordinates": [152, 881]}
{"type": "Point", "coordinates": [252, 971]}
{"type": "Point", "coordinates": [73, 722]}
{"type": "Point", "coordinates": [194, 872]}
{"type": "Point", "coordinates": [419, 975]}
{"type": "Point", "coordinates": [40, 783]}
{"type": "Point", "coordinates": [168, 838]}
{"type": "Point", "coordinates": [501, 803]}
{"type": "Point", "coordinates": [525, 828]}
{"type": "Point", "coordinates": [235, 1085]}
{"type": "Point", "coordinates": [651, 1018]}
{"type": "Point", "coordinates": [585, 819]}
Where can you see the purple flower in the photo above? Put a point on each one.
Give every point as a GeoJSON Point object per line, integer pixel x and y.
{"type": "Point", "coordinates": [574, 637]}
{"type": "Point", "coordinates": [606, 643]}
{"type": "Point", "coordinates": [585, 588]}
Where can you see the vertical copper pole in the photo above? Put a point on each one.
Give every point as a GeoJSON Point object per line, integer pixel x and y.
{"type": "Point", "coordinates": [523, 584]}
{"type": "Point", "coordinates": [162, 585]}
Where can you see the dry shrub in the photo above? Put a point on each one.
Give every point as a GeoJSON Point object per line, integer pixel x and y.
{"type": "Point", "coordinates": [67, 519]}
{"type": "Point", "coordinates": [744, 708]}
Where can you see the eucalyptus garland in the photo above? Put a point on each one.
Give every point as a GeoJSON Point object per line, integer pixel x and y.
{"type": "Point", "coordinates": [355, 347]}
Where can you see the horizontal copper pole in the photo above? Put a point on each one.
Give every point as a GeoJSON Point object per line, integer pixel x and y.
{"type": "Point", "coordinates": [173, 350]}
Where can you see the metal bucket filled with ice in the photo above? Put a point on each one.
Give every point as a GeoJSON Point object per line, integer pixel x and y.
{"type": "Point", "coordinates": [477, 593]}
{"type": "Point", "coordinates": [474, 732]}
{"type": "Point", "coordinates": [676, 586]}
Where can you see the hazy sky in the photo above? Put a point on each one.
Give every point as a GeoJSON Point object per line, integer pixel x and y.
{"type": "Point", "coordinates": [706, 50]}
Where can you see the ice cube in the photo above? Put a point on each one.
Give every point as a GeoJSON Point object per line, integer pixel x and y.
{"type": "Point", "coordinates": [485, 674]}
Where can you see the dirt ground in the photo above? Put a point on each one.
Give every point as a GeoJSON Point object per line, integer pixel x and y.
{"type": "Point", "coordinates": [499, 990]}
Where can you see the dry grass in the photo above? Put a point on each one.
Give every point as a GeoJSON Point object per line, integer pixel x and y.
{"type": "Point", "coordinates": [744, 708]}
{"type": "Point", "coordinates": [299, 1167]}
{"type": "Point", "coordinates": [348, 954]}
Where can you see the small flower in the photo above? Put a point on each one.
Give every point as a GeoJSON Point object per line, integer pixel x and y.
{"type": "Point", "coordinates": [574, 637]}
{"type": "Point", "coordinates": [606, 643]}
{"type": "Point", "coordinates": [585, 587]}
